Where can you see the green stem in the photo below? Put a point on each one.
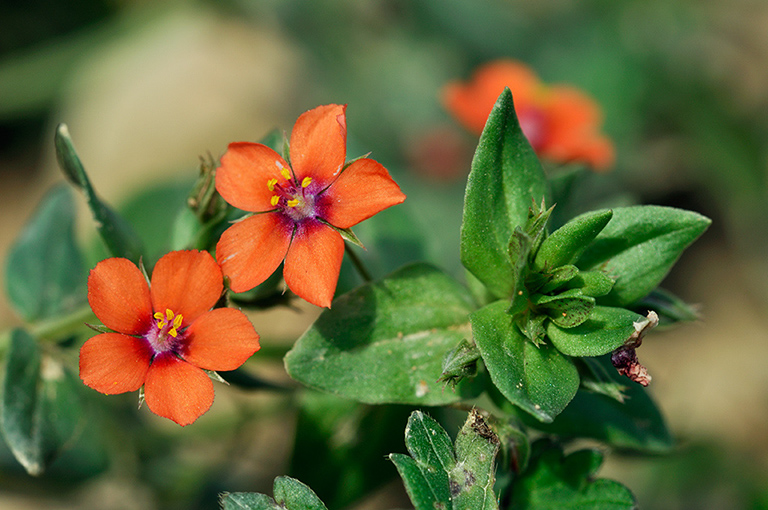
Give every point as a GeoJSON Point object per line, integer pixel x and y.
{"type": "Point", "coordinates": [58, 328]}
{"type": "Point", "coordinates": [359, 266]}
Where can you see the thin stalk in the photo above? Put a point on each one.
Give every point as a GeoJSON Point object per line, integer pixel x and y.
{"type": "Point", "coordinates": [359, 266]}
{"type": "Point", "coordinates": [58, 328]}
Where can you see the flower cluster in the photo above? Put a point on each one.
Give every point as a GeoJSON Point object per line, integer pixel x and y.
{"type": "Point", "coordinates": [561, 122]}
{"type": "Point", "coordinates": [165, 334]}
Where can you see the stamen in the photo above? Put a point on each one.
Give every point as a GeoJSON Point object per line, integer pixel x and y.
{"type": "Point", "coordinates": [271, 184]}
{"type": "Point", "coordinates": [168, 314]}
{"type": "Point", "coordinates": [285, 173]}
{"type": "Point", "coordinates": [274, 200]}
{"type": "Point", "coordinates": [306, 182]}
{"type": "Point", "coordinates": [293, 203]}
{"type": "Point", "coordinates": [160, 320]}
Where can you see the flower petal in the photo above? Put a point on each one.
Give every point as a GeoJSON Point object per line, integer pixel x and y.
{"type": "Point", "coordinates": [319, 143]}
{"type": "Point", "coordinates": [176, 390]}
{"type": "Point", "coordinates": [222, 339]}
{"type": "Point", "coordinates": [112, 363]}
{"type": "Point", "coordinates": [362, 190]}
{"type": "Point", "coordinates": [187, 282]}
{"type": "Point", "coordinates": [243, 175]}
{"type": "Point", "coordinates": [119, 296]}
{"type": "Point", "coordinates": [313, 263]}
{"type": "Point", "coordinates": [250, 250]}
{"type": "Point", "coordinates": [471, 103]}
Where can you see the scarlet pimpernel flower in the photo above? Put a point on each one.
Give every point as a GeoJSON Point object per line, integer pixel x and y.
{"type": "Point", "coordinates": [165, 335]}
{"type": "Point", "coordinates": [300, 206]}
{"type": "Point", "coordinates": [561, 122]}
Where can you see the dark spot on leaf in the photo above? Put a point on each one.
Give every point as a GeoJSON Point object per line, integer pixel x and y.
{"type": "Point", "coordinates": [482, 428]}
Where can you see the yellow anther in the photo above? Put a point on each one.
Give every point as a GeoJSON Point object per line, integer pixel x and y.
{"type": "Point", "coordinates": [271, 184]}
{"type": "Point", "coordinates": [293, 203]}
{"type": "Point", "coordinates": [158, 316]}
{"type": "Point", "coordinates": [177, 321]}
{"type": "Point", "coordinates": [173, 332]}
{"type": "Point", "coordinates": [285, 173]}
{"type": "Point", "coordinates": [168, 314]}
{"type": "Point", "coordinates": [274, 200]}
{"type": "Point", "coordinates": [306, 182]}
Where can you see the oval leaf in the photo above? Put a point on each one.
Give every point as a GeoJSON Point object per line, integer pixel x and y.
{"type": "Point", "coordinates": [505, 179]}
{"type": "Point", "coordinates": [636, 423]}
{"type": "Point", "coordinates": [540, 380]}
{"type": "Point", "coordinates": [44, 274]}
{"type": "Point", "coordinates": [639, 246]}
{"type": "Point", "coordinates": [385, 342]}
{"type": "Point", "coordinates": [606, 330]}
{"type": "Point", "coordinates": [41, 408]}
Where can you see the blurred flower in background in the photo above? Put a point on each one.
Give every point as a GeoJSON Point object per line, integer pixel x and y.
{"type": "Point", "coordinates": [560, 121]}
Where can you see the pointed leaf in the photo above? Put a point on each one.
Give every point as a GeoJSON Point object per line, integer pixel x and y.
{"type": "Point", "coordinates": [385, 342]}
{"type": "Point", "coordinates": [505, 178]}
{"type": "Point", "coordinates": [117, 234]}
{"type": "Point", "coordinates": [606, 329]}
{"type": "Point", "coordinates": [435, 478]}
{"type": "Point", "coordinates": [290, 494]}
{"type": "Point", "coordinates": [567, 243]}
{"type": "Point", "coordinates": [540, 380]}
{"type": "Point", "coordinates": [294, 495]}
{"type": "Point", "coordinates": [591, 283]}
{"type": "Point", "coordinates": [472, 480]}
{"type": "Point", "coordinates": [639, 246]}
{"type": "Point", "coordinates": [247, 501]}
{"type": "Point", "coordinates": [44, 274]}
{"type": "Point", "coordinates": [41, 408]}
{"type": "Point", "coordinates": [425, 472]}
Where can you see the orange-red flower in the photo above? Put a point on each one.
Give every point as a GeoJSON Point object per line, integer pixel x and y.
{"type": "Point", "coordinates": [164, 334]}
{"type": "Point", "coordinates": [300, 206]}
{"type": "Point", "coordinates": [561, 122]}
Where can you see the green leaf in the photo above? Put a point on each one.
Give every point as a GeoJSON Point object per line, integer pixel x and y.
{"type": "Point", "coordinates": [435, 477]}
{"type": "Point", "coordinates": [290, 494]}
{"type": "Point", "coordinates": [425, 472]}
{"type": "Point", "coordinates": [567, 243]}
{"type": "Point", "coordinates": [41, 407]}
{"type": "Point", "coordinates": [636, 423]}
{"type": "Point", "coordinates": [472, 479]}
{"type": "Point", "coordinates": [558, 277]}
{"type": "Point", "coordinates": [639, 246]}
{"type": "Point", "coordinates": [540, 379]}
{"type": "Point", "coordinates": [606, 329]}
{"type": "Point", "coordinates": [247, 501]}
{"type": "Point", "coordinates": [44, 274]}
{"type": "Point", "coordinates": [567, 309]}
{"type": "Point", "coordinates": [557, 482]}
{"type": "Point", "coordinates": [117, 234]}
{"type": "Point", "coordinates": [385, 342]}
{"type": "Point", "coordinates": [294, 495]}
{"type": "Point", "coordinates": [505, 180]}
{"type": "Point", "coordinates": [591, 283]}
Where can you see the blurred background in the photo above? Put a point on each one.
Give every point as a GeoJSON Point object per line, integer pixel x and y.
{"type": "Point", "coordinates": [148, 87]}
